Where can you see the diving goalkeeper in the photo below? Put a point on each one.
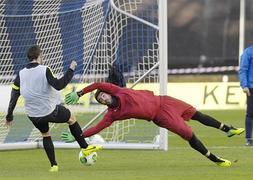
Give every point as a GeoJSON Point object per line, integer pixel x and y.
{"type": "Point", "coordinates": [164, 111]}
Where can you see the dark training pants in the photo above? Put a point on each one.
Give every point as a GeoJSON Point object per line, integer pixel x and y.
{"type": "Point", "coordinates": [59, 115]}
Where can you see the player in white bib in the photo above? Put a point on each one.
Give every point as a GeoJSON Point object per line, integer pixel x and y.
{"type": "Point", "coordinates": [40, 89]}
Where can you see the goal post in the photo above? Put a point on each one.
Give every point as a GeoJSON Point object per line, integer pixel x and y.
{"type": "Point", "coordinates": [163, 59]}
{"type": "Point", "coordinates": [131, 34]}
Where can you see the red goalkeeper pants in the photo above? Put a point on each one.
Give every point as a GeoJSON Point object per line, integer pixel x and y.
{"type": "Point", "coordinates": [173, 114]}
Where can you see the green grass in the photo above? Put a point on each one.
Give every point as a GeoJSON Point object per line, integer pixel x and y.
{"type": "Point", "coordinates": [180, 162]}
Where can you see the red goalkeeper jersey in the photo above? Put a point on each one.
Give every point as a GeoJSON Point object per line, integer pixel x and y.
{"type": "Point", "coordinates": [165, 111]}
{"type": "Point", "coordinates": [141, 104]}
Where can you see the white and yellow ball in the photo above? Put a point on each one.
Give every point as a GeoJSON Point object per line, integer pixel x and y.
{"type": "Point", "coordinates": [88, 160]}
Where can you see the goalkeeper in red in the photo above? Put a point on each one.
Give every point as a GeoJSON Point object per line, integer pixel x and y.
{"type": "Point", "coordinates": [164, 111]}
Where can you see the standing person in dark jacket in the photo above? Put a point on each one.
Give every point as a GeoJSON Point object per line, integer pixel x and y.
{"type": "Point", "coordinates": [164, 111]}
{"type": "Point", "coordinates": [246, 83]}
{"type": "Point", "coordinates": [40, 89]}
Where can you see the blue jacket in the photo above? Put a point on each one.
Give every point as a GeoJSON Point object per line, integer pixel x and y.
{"type": "Point", "coordinates": [246, 68]}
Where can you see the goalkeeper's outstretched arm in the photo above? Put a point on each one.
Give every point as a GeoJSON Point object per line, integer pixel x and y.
{"type": "Point", "coordinates": [104, 123]}
{"type": "Point", "coordinates": [105, 87]}
{"type": "Point", "coordinates": [115, 77]}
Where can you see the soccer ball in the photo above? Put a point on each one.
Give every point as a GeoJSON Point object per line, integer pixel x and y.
{"type": "Point", "coordinates": [88, 160]}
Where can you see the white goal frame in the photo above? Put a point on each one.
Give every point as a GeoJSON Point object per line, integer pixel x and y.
{"type": "Point", "coordinates": [163, 64]}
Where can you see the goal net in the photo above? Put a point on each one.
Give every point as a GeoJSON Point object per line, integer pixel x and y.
{"type": "Point", "coordinates": [97, 34]}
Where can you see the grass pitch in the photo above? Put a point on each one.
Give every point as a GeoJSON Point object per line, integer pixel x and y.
{"type": "Point", "coordinates": [180, 162]}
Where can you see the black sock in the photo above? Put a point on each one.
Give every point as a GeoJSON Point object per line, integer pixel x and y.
{"type": "Point", "coordinates": [197, 145]}
{"type": "Point", "coordinates": [214, 158]}
{"type": "Point", "coordinates": [210, 121]}
{"type": "Point", "coordinates": [200, 147]}
{"type": "Point", "coordinates": [76, 131]}
{"type": "Point", "coordinates": [49, 148]}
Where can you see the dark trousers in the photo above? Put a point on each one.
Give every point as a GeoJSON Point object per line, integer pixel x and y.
{"type": "Point", "coordinates": [249, 116]}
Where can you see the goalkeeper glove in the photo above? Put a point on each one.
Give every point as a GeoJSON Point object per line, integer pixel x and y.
{"type": "Point", "coordinates": [67, 137]}
{"type": "Point", "coordinates": [71, 98]}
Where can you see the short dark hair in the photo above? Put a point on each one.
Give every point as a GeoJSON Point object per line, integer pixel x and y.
{"type": "Point", "coordinates": [33, 52]}
{"type": "Point", "coordinates": [96, 95]}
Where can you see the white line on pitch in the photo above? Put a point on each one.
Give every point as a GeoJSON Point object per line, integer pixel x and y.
{"type": "Point", "coordinates": [216, 147]}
